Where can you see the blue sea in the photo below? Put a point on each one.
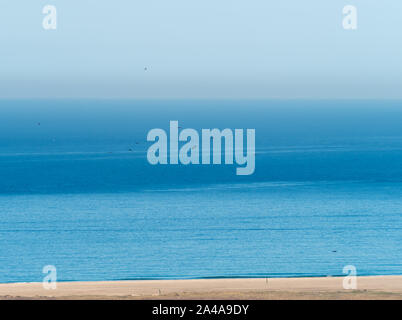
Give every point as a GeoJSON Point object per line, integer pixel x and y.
{"type": "Point", "coordinates": [77, 191]}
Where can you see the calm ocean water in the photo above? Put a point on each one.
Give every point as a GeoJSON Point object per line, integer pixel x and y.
{"type": "Point", "coordinates": [77, 192]}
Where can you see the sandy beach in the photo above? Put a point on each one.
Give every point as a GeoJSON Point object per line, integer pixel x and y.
{"type": "Point", "coordinates": [376, 287]}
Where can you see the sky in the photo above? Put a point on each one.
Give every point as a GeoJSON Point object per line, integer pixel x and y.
{"type": "Point", "coordinates": [232, 49]}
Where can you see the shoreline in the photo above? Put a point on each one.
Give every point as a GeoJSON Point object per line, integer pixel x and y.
{"type": "Point", "coordinates": [368, 287]}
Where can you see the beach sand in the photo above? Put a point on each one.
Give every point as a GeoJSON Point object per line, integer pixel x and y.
{"type": "Point", "coordinates": [376, 287]}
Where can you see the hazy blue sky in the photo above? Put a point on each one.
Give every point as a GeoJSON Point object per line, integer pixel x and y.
{"type": "Point", "coordinates": [201, 49]}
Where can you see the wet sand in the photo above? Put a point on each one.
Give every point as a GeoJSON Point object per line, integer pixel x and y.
{"type": "Point", "coordinates": [376, 287]}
